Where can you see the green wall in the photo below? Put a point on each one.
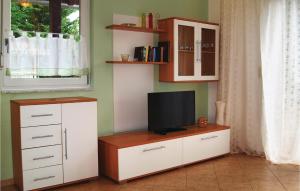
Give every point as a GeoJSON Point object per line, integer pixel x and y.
{"type": "Point", "coordinates": [101, 16]}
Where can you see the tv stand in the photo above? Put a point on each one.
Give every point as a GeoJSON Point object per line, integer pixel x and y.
{"type": "Point", "coordinates": [127, 156]}
{"type": "Point", "coordinates": [169, 130]}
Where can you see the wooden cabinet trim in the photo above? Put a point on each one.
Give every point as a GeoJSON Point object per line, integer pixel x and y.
{"type": "Point", "coordinates": [108, 160]}
{"type": "Point", "coordinates": [44, 101]}
{"type": "Point", "coordinates": [16, 144]}
{"type": "Point", "coordinates": [191, 20]}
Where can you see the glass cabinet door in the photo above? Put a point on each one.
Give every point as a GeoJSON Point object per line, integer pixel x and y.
{"type": "Point", "coordinates": [208, 52]}
{"type": "Point", "coordinates": [186, 39]}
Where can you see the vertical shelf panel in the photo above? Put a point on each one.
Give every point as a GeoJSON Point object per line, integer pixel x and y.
{"type": "Point", "coordinates": [131, 82]}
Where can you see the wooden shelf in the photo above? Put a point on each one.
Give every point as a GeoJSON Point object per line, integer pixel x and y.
{"type": "Point", "coordinates": [135, 62]}
{"type": "Point", "coordinates": [135, 29]}
{"type": "Point", "coordinates": [210, 52]}
{"type": "Point", "coordinates": [186, 51]}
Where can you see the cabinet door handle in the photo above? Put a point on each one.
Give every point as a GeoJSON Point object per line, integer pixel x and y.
{"type": "Point", "coordinates": [197, 51]}
{"type": "Point", "coordinates": [66, 144]}
{"type": "Point", "coordinates": [200, 50]}
{"type": "Point", "coordinates": [208, 138]}
{"type": "Point", "coordinates": [153, 149]}
{"type": "Point", "coordinates": [42, 115]}
{"type": "Point", "coordinates": [42, 158]}
{"type": "Point", "coordinates": [43, 178]}
{"type": "Point", "coordinates": [42, 137]}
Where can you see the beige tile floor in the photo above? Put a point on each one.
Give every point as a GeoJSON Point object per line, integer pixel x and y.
{"type": "Point", "coordinates": [229, 173]}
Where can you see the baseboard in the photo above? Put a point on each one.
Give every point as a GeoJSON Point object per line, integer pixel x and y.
{"type": "Point", "coordinates": [7, 182]}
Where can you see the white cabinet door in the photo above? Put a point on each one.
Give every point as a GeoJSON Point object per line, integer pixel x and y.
{"type": "Point", "coordinates": [205, 146]}
{"type": "Point", "coordinates": [196, 51]}
{"type": "Point", "coordinates": [80, 147]}
{"type": "Point", "coordinates": [149, 158]}
{"type": "Point", "coordinates": [186, 50]}
{"type": "Point", "coordinates": [209, 52]}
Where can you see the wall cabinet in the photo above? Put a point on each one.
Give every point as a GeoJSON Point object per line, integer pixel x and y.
{"type": "Point", "coordinates": [54, 141]}
{"type": "Point", "coordinates": [193, 52]}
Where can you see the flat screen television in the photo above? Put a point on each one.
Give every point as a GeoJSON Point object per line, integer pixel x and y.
{"type": "Point", "coordinates": [170, 111]}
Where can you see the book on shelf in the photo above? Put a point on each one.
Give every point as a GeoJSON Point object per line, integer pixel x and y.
{"type": "Point", "coordinates": [149, 54]}
{"type": "Point", "coordinates": [165, 50]}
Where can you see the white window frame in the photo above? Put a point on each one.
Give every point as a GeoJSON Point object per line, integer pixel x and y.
{"type": "Point", "coordinates": [8, 84]}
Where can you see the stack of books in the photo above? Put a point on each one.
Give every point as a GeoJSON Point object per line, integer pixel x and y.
{"type": "Point", "coordinates": [152, 54]}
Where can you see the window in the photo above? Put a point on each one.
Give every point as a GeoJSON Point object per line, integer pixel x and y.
{"type": "Point", "coordinates": [45, 45]}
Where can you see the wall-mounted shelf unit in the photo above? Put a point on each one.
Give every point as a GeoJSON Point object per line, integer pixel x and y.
{"type": "Point", "coordinates": [135, 62]}
{"type": "Point", "coordinates": [135, 29]}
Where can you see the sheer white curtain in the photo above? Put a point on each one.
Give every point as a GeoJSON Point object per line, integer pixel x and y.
{"type": "Point", "coordinates": [280, 47]}
{"type": "Point", "coordinates": [49, 56]}
{"type": "Point", "coordinates": [240, 81]}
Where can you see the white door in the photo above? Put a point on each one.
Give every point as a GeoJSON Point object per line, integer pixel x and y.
{"type": "Point", "coordinates": [209, 52]}
{"type": "Point", "coordinates": [186, 50]}
{"type": "Point", "coordinates": [80, 147]}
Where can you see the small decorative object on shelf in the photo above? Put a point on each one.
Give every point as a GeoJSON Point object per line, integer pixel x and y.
{"type": "Point", "coordinates": [155, 20]}
{"type": "Point", "coordinates": [125, 57]}
{"type": "Point", "coordinates": [202, 122]}
{"type": "Point", "coordinates": [149, 20]}
{"type": "Point", "coordinates": [220, 116]}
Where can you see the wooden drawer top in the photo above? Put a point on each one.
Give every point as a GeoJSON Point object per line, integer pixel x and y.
{"type": "Point", "coordinates": [123, 140]}
{"type": "Point", "coordinates": [52, 100]}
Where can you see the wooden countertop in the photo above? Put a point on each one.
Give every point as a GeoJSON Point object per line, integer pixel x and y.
{"type": "Point", "coordinates": [123, 140]}
{"type": "Point", "coordinates": [53, 100]}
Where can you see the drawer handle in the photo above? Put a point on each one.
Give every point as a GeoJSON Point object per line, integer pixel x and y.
{"type": "Point", "coordinates": [42, 115]}
{"type": "Point", "coordinates": [42, 158]}
{"type": "Point", "coordinates": [42, 137]}
{"type": "Point", "coordinates": [153, 149]}
{"type": "Point", "coordinates": [66, 144]}
{"type": "Point", "coordinates": [44, 178]}
{"type": "Point", "coordinates": [208, 138]}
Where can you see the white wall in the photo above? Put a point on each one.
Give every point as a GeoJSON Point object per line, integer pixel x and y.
{"type": "Point", "coordinates": [131, 83]}
{"type": "Point", "coordinates": [213, 16]}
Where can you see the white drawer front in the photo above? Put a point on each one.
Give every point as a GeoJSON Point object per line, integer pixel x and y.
{"type": "Point", "coordinates": [200, 147]}
{"type": "Point", "coordinates": [35, 115]}
{"type": "Point", "coordinates": [40, 136]}
{"type": "Point", "coordinates": [144, 159]}
{"type": "Point", "coordinates": [43, 177]}
{"type": "Point", "coordinates": [41, 157]}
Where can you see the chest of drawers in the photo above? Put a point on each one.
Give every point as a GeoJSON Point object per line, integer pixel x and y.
{"type": "Point", "coordinates": [54, 141]}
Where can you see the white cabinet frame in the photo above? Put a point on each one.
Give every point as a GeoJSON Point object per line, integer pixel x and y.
{"type": "Point", "coordinates": [197, 51]}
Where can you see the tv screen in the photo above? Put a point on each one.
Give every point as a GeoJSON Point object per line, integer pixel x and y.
{"type": "Point", "coordinates": [168, 111]}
